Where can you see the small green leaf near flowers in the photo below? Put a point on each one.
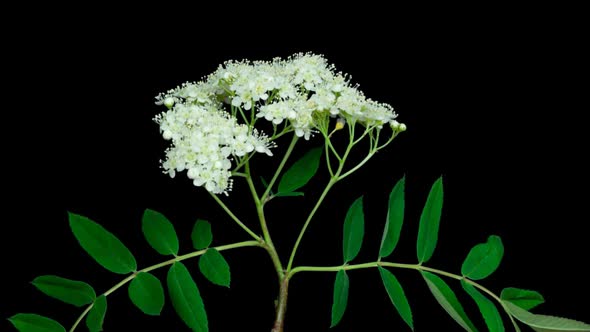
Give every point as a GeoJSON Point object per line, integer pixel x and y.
{"type": "Point", "coordinates": [291, 194]}
{"type": "Point", "coordinates": [300, 172]}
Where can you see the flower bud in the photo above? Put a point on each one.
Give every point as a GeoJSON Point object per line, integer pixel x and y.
{"type": "Point", "coordinates": [340, 123]}
{"type": "Point", "coordinates": [169, 102]}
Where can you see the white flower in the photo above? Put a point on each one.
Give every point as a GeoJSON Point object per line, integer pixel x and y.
{"type": "Point", "coordinates": [291, 90]}
{"type": "Point", "coordinates": [299, 92]}
{"type": "Point", "coordinates": [203, 140]}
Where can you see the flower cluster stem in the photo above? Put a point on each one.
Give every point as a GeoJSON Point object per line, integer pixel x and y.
{"type": "Point", "coordinates": [330, 184]}
{"type": "Point", "coordinates": [234, 218]}
{"type": "Point", "coordinates": [268, 244]}
{"type": "Point", "coordinates": [266, 193]}
{"type": "Point", "coordinates": [259, 201]}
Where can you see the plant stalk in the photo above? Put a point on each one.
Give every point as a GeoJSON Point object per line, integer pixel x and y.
{"type": "Point", "coordinates": [268, 245]}
{"type": "Point", "coordinates": [281, 306]}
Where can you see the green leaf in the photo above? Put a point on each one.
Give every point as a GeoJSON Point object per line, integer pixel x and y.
{"type": "Point", "coordinates": [147, 293]}
{"type": "Point", "coordinates": [74, 292]}
{"type": "Point", "coordinates": [96, 315]}
{"type": "Point", "coordinates": [483, 259]}
{"type": "Point", "coordinates": [543, 323]}
{"type": "Point", "coordinates": [186, 298]}
{"type": "Point", "coordinates": [159, 232]}
{"type": "Point", "coordinates": [526, 299]}
{"type": "Point", "coordinates": [445, 296]}
{"type": "Point", "coordinates": [395, 219]}
{"type": "Point", "coordinates": [291, 194]}
{"type": "Point", "coordinates": [101, 245]}
{"type": "Point", "coordinates": [397, 296]}
{"type": "Point", "coordinates": [354, 229]}
{"type": "Point", "coordinates": [340, 299]}
{"type": "Point", "coordinates": [486, 307]}
{"type": "Point", "coordinates": [35, 323]}
{"type": "Point", "coordinates": [201, 235]}
{"type": "Point", "coordinates": [301, 171]}
{"type": "Point", "coordinates": [215, 268]}
{"type": "Point", "coordinates": [430, 221]}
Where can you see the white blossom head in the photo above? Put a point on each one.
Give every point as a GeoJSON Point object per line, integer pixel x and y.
{"type": "Point", "coordinates": [211, 123]}
{"type": "Point", "coordinates": [204, 140]}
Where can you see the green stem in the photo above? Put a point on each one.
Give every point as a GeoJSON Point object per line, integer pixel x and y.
{"type": "Point", "coordinates": [328, 160]}
{"type": "Point", "coordinates": [354, 169]}
{"type": "Point", "coordinates": [259, 201]}
{"type": "Point", "coordinates": [279, 169]}
{"type": "Point", "coordinates": [335, 178]}
{"type": "Point", "coordinates": [233, 216]}
{"type": "Point", "coordinates": [516, 328]}
{"type": "Point", "coordinates": [333, 181]}
{"type": "Point", "coordinates": [268, 245]}
{"type": "Point", "coordinates": [285, 131]}
{"type": "Point", "coordinates": [372, 150]}
{"type": "Point", "coordinates": [252, 117]}
{"type": "Point", "coordinates": [82, 315]}
{"type": "Point", "coordinates": [165, 263]}
{"type": "Point", "coordinates": [379, 263]}
{"type": "Point", "coordinates": [332, 268]}
{"type": "Point", "coordinates": [367, 131]}
{"type": "Point", "coordinates": [242, 162]}
{"type": "Point", "coordinates": [243, 115]}
{"type": "Point", "coordinates": [331, 147]}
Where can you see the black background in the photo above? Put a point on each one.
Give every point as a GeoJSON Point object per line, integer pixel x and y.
{"type": "Point", "coordinates": [494, 105]}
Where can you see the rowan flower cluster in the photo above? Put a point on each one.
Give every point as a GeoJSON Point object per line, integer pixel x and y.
{"type": "Point", "coordinates": [204, 139]}
{"type": "Point", "coordinates": [202, 120]}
